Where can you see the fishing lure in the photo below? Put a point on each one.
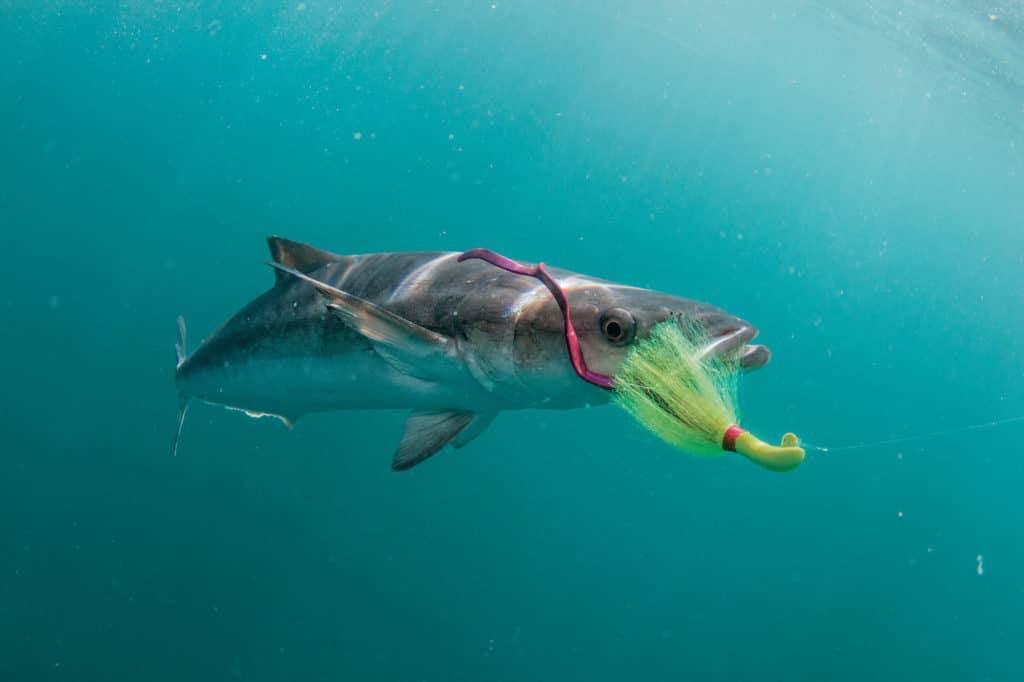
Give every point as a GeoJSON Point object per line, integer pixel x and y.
{"type": "Point", "coordinates": [682, 394]}
{"type": "Point", "coordinates": [687, 397]}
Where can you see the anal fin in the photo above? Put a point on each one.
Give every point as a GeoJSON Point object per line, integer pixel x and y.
{"type": "Point", "coordinates": [426, 432]}
{"type": "Point", "coordinates": [481, 420]}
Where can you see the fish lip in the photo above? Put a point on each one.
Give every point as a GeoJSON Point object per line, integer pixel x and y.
{"type": "Point", "coordinates": [729, 340]}
{"type": "Point", "coordinates": [728, 337]}
{"type": "Point", "coordinates": [754, 356]}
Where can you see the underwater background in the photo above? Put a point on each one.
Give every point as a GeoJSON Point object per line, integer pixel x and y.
{"type": "Point", "coordinates": [848, 176]}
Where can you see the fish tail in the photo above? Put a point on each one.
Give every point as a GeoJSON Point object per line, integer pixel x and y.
{"type": "Point", "coordinates": [179, 343]}
{"type": "Point", "coordinates": [181, 351]}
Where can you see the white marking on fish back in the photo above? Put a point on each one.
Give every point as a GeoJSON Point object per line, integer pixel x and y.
{"type": "Point", "coordinates": [357, 261]}
{"type": "Point", "coordinates": [526, 299]}
{"type": "Point", "coordinates": [419, 276]}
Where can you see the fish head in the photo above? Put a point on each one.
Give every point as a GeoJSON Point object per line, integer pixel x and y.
{"type": "Point", "coordinates": [608, 320]}
{"type": "Point", "coordinates": [612, 321]}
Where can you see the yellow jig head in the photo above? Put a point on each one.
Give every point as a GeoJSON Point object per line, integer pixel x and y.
{"type": "Point", "coordinates": [785, 457]}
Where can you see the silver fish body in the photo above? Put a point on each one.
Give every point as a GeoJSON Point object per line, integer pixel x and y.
{"type": "Point", "coordinates": [456, 342]}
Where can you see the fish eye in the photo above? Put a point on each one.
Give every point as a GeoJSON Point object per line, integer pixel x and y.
{"type": "Point", "coordinates": [618, 326]}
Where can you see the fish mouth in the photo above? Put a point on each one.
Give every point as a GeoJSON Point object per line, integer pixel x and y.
{"type": "Point", "coordinates": [729, 338]}
{"type": "Point", "coordinates": [754, 356]}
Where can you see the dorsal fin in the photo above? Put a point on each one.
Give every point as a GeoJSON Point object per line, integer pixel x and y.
{"type": "Point", "coordinates": [298, 256]}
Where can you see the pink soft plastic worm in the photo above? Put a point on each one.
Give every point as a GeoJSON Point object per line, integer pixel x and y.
{"type": "Point", "coordinates": [538, 271]}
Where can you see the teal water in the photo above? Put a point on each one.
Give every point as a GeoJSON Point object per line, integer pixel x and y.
{"type": "Point", "coordinates": [848, 176]}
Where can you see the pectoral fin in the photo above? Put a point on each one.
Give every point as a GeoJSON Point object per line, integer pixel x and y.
{"type": "Point", "coordinates": [411, 348]}
{"type": "Point", "coordinates": [426, 432]}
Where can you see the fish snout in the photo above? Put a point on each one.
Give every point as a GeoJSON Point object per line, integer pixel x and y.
{"type": "Point", "coordinates": [729, 337]}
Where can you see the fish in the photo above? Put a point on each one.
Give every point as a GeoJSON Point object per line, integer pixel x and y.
{"type": "Point", "coordinates": [454, 341]}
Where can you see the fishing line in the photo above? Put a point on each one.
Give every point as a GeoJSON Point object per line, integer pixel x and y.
{"type": "Point", "coordinates": [916, 437]}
